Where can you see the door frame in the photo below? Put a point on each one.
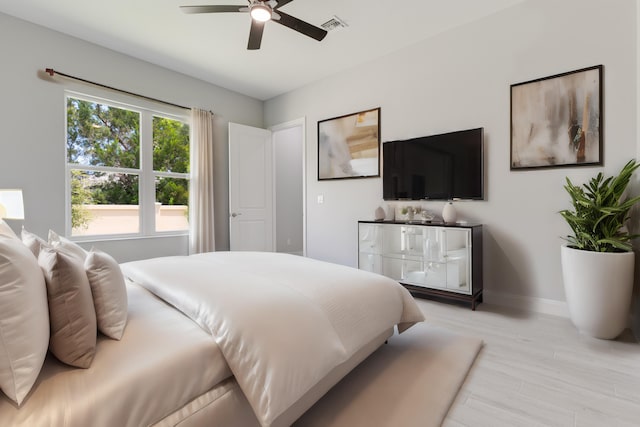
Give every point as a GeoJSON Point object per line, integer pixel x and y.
{"type": "Point", "coordinates": [301, 123]}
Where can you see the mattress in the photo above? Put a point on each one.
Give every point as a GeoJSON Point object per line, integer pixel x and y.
{"type": "Point", "coordinates": [163, 362]}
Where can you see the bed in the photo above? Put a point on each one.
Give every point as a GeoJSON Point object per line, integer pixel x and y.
{"type": "Point", "coordinates": [220, 339]}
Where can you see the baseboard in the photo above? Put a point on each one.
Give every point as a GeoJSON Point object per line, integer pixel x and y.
{"type": "Point", "coordinates": [537, 305]}
{"type": "Point", "coordinates": [541, 305]}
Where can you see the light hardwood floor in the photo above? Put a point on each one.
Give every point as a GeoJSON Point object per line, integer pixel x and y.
{"type": "Point", "coordinates": [537, 370]}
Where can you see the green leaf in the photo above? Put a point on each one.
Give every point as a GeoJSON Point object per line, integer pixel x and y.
{"type": "Point", "coordinates": [599, 212]}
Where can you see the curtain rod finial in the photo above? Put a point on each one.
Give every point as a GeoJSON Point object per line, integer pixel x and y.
{"type": "Point", "coordinates": [47, 74]}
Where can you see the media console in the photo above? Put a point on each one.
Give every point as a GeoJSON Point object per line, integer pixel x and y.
{"type": "Point", "coordinates": [433, 260]}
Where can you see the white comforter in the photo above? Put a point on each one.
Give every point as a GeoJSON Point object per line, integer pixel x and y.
{"type": "Point", "coordinates": [282, 322]}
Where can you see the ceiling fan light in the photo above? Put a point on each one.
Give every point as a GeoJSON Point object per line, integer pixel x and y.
{"type": "Point", "coordinates": [260, 13]}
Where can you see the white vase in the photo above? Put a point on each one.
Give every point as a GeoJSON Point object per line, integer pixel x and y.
{"type": "Point", "coordinates": [379, 213]}
{"type": "Point", "coordinates": [449, 213]}
{"type": "Point", "coordinates": [598, 287]}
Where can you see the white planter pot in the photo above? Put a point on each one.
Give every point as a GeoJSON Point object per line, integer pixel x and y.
{"type": "Point", "coordinates": [598, 287]}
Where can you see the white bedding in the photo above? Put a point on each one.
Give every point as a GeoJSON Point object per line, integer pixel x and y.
{"type": "Point", "coordinates": [162, 363]}
{"type": "Point", "coordinates": [282, 322]}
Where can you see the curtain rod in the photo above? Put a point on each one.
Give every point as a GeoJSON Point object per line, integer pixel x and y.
{"type": "Point", "coordinates": [52, 72]}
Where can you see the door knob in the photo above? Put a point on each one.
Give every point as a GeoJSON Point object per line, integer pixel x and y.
{"type": "Point", "coordinates": [235, 214]}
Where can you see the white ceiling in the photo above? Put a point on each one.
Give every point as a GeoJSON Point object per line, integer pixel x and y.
{"type": "Point", "coordinates": [212, 47]}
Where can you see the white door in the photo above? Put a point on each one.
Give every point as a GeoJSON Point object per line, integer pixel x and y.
{"type": "Point", "coordinates": [250, 189]}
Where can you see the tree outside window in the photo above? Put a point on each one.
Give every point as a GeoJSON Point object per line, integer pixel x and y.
{"type": "Point", "coordinates": [105, 144]}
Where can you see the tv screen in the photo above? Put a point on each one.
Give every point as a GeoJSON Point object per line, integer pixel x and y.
{"type": "Point", "coordinates": [437, 167]}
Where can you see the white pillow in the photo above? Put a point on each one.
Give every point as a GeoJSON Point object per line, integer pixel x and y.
{"type": "Point", "coordinates": [71, 313]}
{"type": "Point", "coordinates": [109, 292]}
{"type": "Point", "coordinates": [57, 241]}
{"type": "Point", "coordinates": [32, 241]}
{"type": "Point", "coordinates": [6, 231]}
{"type": "Point", "coordinates": [24, 319]}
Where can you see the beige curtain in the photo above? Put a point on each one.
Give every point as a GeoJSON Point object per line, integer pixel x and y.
{"type": "Point", "coordinates": [201, 235]}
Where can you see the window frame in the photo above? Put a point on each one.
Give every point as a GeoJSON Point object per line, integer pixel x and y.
{"type": "Point", "coordinates": [146, 174]}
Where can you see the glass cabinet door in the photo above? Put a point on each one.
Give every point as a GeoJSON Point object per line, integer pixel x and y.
{"type": "Point", "coordinates": [371, 262]}
{"type": "Point", "coordinates": [458, 249]}
{"type": "Point", "coordinates": [370, 248]}
{"type": "Point", "coordinates": [370, 239]}
{"type": "Point", "coordinates": [402, 241]}
{"type": "Point", "coordinates": [403, 270]}
{"type": "Point", "coordinates": [421, 255]}
{"type": "Point", "coordinates": [402, 255]}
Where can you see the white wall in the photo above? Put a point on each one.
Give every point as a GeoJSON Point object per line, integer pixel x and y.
{"type": "Point", "coordinates": [461, 79]}
{"type": "Point", "coordinates": [32, 113]}
{"type": "Point", "coordinates": [287, 166]}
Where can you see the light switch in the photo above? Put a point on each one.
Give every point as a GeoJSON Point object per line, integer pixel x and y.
{"type": "Point", "coordinates": [320, 199]}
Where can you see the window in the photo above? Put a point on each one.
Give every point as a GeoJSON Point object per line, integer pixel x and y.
{"type": "Point", "coordinates": [127, 169]}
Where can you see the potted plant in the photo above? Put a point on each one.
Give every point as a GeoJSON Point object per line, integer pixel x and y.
{"type": "Point", "coordinates": [598, 261]}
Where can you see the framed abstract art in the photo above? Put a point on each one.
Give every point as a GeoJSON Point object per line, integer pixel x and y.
{"type": "Point", "coordinates": [556, 121]}
{"type": "Point", "coordinates": [349, 146]}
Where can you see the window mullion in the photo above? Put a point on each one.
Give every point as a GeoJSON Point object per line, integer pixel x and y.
{"type": "Point", "coordinates": [171, 175]}
{"type": "Point", "coordinates": [108, 169]}
{"type": "Point", "coordinates": [147, 187]}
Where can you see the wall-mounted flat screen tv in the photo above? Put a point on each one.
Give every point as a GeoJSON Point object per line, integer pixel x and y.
{"type": "Point", "coordinates": [436, 167]}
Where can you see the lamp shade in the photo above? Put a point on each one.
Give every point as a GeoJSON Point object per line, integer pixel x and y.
{"type": "Point", "coordinates": [11, 204]}
{"type": "Point", "coordinates": [260, 12]}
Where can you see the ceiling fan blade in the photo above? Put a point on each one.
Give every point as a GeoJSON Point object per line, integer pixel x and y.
{"type": "Point", "coordinates": [282, 3]}
{"type": "Point", "coordinates": [212, 9]}
{"type": "Point", "coordinates": [301, 26]}
{"type": "Point", "coordinates": [255, 35]}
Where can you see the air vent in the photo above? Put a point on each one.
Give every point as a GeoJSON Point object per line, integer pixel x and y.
{"type": "Point", "coordinates": [334, 24]}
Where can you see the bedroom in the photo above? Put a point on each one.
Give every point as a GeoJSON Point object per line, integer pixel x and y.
{"type": "Point", "coordinates": [530, 40]}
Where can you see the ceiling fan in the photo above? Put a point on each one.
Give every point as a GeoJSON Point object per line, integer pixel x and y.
{"type": "Point", "coordinates": [262, 11]}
